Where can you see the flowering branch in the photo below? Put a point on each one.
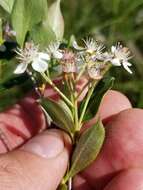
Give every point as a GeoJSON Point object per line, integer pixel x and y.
{"type": "Point", "coordinates": [72, 64]}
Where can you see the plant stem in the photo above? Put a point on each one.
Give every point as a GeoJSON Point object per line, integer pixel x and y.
{"type": "Point", "coordinates": [75, 102]}
{"type": "Point", "coordinates": [76, 114]}
{"type": "Point", "coordinates": [49, 81]}
{"type": "Point", "coordinates": [87, 101]}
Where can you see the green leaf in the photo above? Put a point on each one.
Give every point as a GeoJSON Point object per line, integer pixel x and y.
{"type": "Point", "coordinates": [66, 108]}
{"type": "Point", "coordinates": [7, 5]}
{"type": "Point", "coordinates": [87, 148]}
{"type": "Point", "coordinates": [94, 103]}
{"type": "Point", "coordinates": [1, 35]}
{"type": "Point", "coordinates": [59, 114]}
{"type": "Point", "coordinates": [42, 34]}
{"type": "Point", "coordinates": [3, 14]}
{"type": "Point", "coordinates": [55, 19]}
{"type": "Point", "coordinates": [48, 118]}
{"type": "Point", "coordinates": [26, 14]}
{"type": "Point", "coordinates": [11, 96]}
{"type": "Point", "coordinates": [63, 187]}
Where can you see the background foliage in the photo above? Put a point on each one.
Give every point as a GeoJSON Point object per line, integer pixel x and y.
{"type": "Point", "coordinates": [106, 20]}
{"type": "Point", "coordinates": [111, 21]}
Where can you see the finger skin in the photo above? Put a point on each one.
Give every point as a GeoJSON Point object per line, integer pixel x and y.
{"type": "Point", "coordinates": [122, 148]}
{"type": "Point", "coordinates": [25, 169]}
{"type": "Point", "coordinates": [20, 123]}
{"type": "Point", "coordinates": [80, 183]}
{"type": "Point", "coordinates": [131, 179]}
{"type": "Point", "coordinates": [113, 102]}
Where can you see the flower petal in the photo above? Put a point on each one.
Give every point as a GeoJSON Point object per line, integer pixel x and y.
{"type": "Point", "coordinates": [126, 66]}
{"type": "Point", "coordinates": [113, 48]}
{"type": "Point", "coordinates": [77, 47]}
{"type": "Point", "coordinates": [21, 68]}
{"type": "Point", "coordinates": [40, 66]}
{"type": "Point", "coordinates": [57, 55]}
{"type": "Point", "coordinates": [116, 62]}
{"type": "Point", "coordinates": [44, 56]}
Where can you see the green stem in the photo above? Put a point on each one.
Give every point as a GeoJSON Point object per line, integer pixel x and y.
{"type": "Point", "coordinates": [49, 81]}
{"type": "Point", "coordinates": [65, 179]}
{"type": "Point", "coordinates": [87, 101]}
{"type": "Point", "coordinates": [76, 114]}
{"type": "Point", "coordinates": [74, 101]}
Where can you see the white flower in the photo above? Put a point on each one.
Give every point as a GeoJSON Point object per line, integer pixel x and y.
{"type": "Point", "coordinates": [40, 64]}
{"type": "Point", "coordinates": [30, 55]}
{"type": "Point", "coordinates": [121, 55]}
{"type": "Point", "coordinates": [91, 51]}
{"type": "Point", "coordinates": [91, 46]}
{"type": "Point", "coordinates": [53, 50]}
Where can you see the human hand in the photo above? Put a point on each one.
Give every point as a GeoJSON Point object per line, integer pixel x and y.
{"type": "Point", "coordinates": [23, 169]}
{"type": "Point", "coordinates": [42, 161]}
{"type": "Point", "coordinates": [119, 164]}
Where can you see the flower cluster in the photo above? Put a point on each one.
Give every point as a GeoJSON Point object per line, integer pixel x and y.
{"type": "Point", "coordinates": [96, 59]}
{"type": "Point", "coordinates": [70, 113]}
{"type": "Point", "coordinates": [90, 59]}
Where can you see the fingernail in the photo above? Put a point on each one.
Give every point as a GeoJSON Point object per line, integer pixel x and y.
{"type": "Point", "coordinates": [48, 144]}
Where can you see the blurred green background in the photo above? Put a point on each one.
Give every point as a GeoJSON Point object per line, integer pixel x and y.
{"type": "Point", "coordinates": [111, 21]}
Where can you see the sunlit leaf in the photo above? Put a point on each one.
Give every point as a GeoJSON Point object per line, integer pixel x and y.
{"type": "Point", "coordinates": [7, 5]}
{"type": "Point", "coordinates": [87, 148]}
{"type": "Point", "coordinates": [25, 14]}
{"type": "Point", "coordinates": [55, 19]}
{"type": "Point", "coordinates": [42, 34]}
{"type": "Point", "coordinates": [59, 114]}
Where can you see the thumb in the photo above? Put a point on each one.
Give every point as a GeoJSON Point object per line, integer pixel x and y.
{"type": "Point", "coordinates": [39, 164]}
